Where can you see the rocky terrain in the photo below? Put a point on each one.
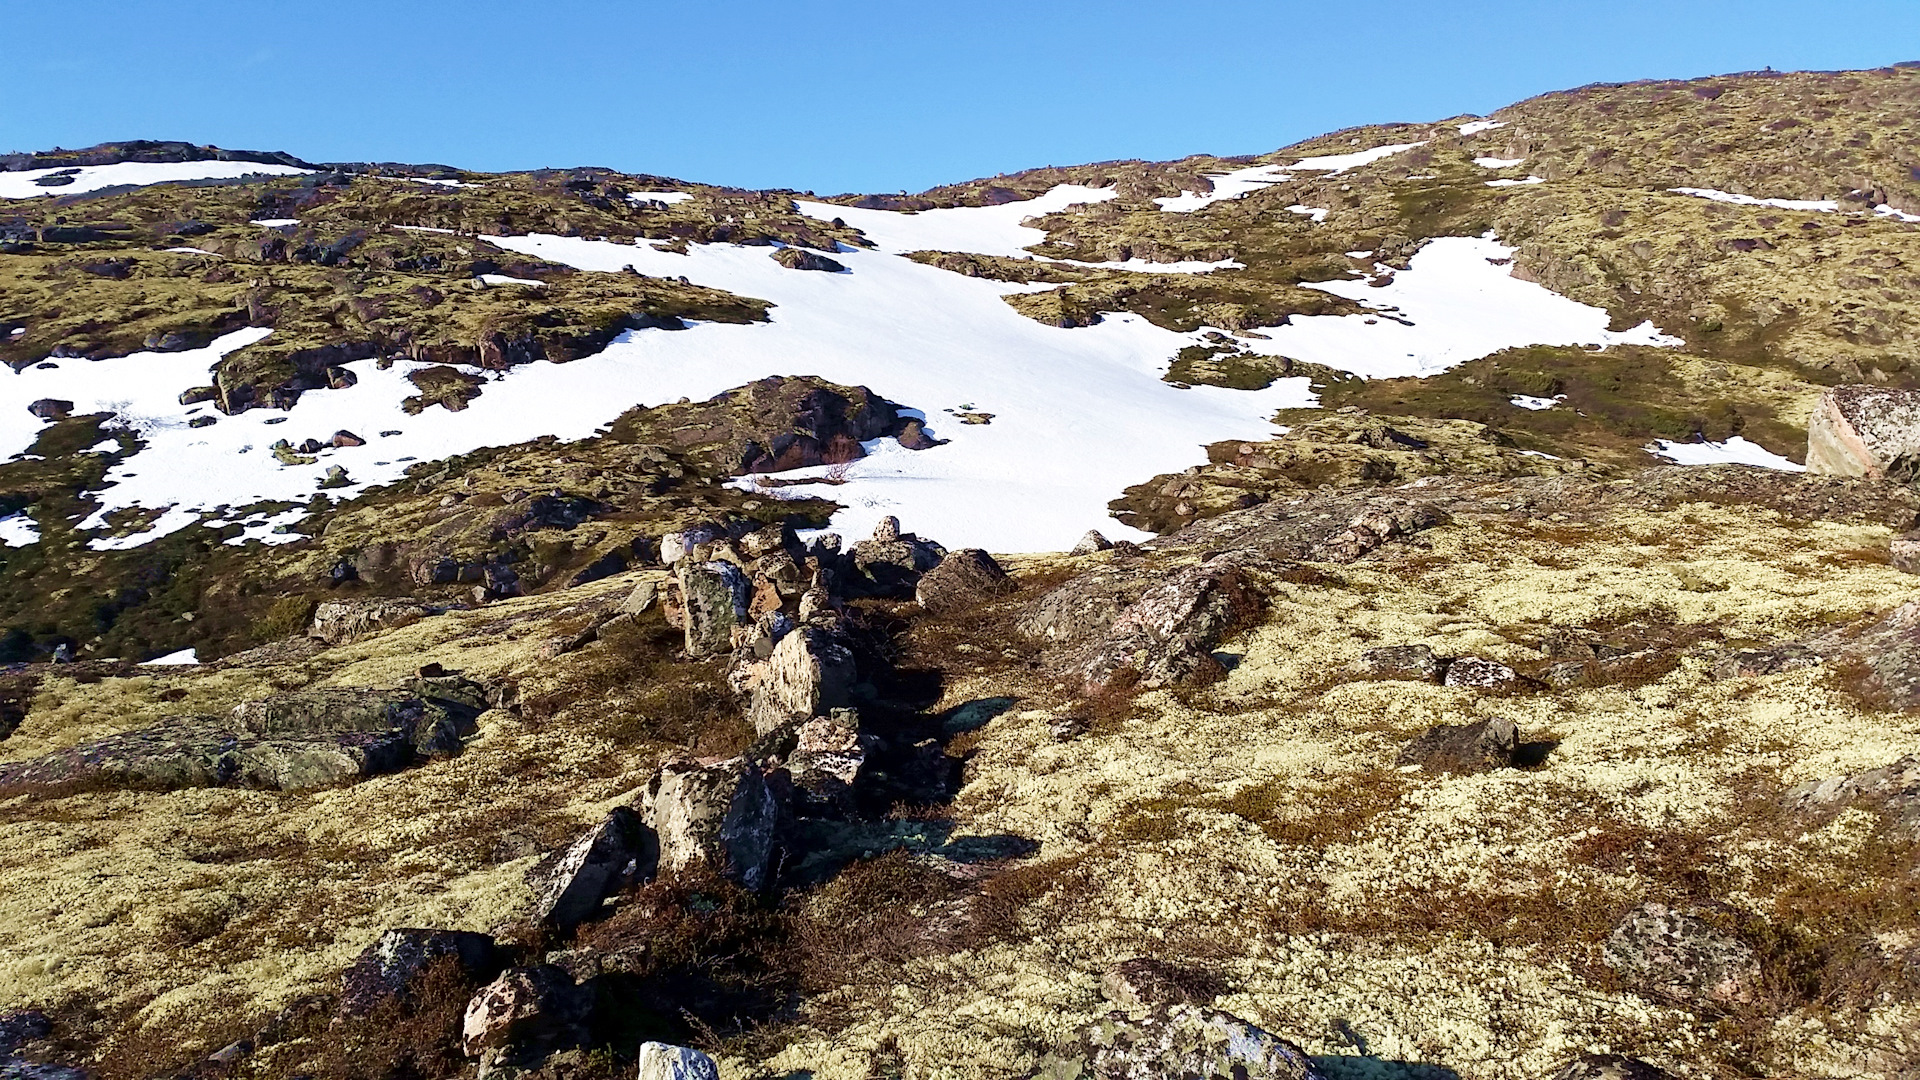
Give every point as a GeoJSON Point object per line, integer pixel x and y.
{"type": "Point", "coordinates": [1533, 696]}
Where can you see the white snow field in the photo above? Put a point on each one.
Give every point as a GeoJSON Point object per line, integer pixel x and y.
{"type": "Point", "coordinates": [1077, 414]}
{"type": "Point", "coordinates": [1536, 404]}
{"type": "Point", "coordinates": [1735, 451]}
{"type": "Point", "coordinates": [1475, 127]}
{"type": "Point", "coordinates": [1230, 185]}
{"type": "Point", "coordinates": [1497, 162]}
{"type": "Point", "coordinates": [18, 530]}
{"type": "Point", "coordinates": [1506, 182]}
{"type": "Point", "coordinates": [20, 185]}
{"type": "Point", "coordinates": [1336, 164]}
{"type": "Point", "coordinates": [1457, 301]}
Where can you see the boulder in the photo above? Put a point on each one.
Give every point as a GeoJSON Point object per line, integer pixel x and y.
{"type": "Point", "coordinates": [1476, 673]}
{"type": "Point", "coordinates": [526, 1007]}
{"type": "Point", "coordinates": [1609, 1067]}
{"type": "Point", "coordinates": [388, 966]}
{"type": "Point", "coordinates": [794, 258]}
{"type": "Point", "coordinates": [714, 596]}
{"type": "Point", "coordinates": [1167, 636]}
{"type": "Point", "coordinates": [1866, 431]}
{"type": "Point", "coordinates": [51, 409]}
{"type": "Point", "coordinates": [722, 817]}
{"type": "Point", "coordinates": [1904, 553]}
{"type": "Point", "coordinates": [964, 579]}
{"type": "Point", "coordinates": [660, 1061]}
{"type": "Point", "coordinates": [569, 885]}
{"type": "Point", "coordinates": [434, 726]}
{"type": "Point", "coordinates": [338, 622]}
{"type": "Point", "coordinates": [1178, 1041]}
{"type": "Point", "coordinates": [828, 754]}
{"type": "Point", "coordinates": [204, 751]}
{"type": "Point", "coordinates": [1415, 662]}
{"type": "Point", "coordinates": [890, 564]}
{"type": "Point", "coordinates": [809, 672]}
{"type": "Point", "coordinates": [1464, 748]}
{"type": "Point", "coordinates": [675, 546]}
{"type": "Point", "coordinates": [1887, 652]}
{"type": "Point", "coordinates": [1091, 543]}
{"type": "Point", "coordinates": [1681, 956]}
{"type": "Point", "coordinates": [914, 436]}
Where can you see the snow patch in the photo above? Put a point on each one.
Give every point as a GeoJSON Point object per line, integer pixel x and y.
{"type": "Point", "coordinates": [1898, 215]}
{"type": "Point", "coordinates": [20, 185]}
{"type": "Point", "coordinates": [1456, 301]}
{"type": "Point", "coordinates": [502, 279]}
{"type": "Point", "coordinates": [1517, 183]}
{"type": "Point", "coordinates": [1735, 451]}
{"type": "Point", "coordinates": [426, 228]}
{"type": "Point", "coordinates": [668, 197]}
{"type": "Point", "coordinates": [1230, 185]}
{"type": "Point", "coordinates": [977, 230]}
{"type": "Point", "coordinates": [18, 530]}
{"type": "Point", "coordinates": [1336, 164]}
{"type": "Point", "coordinates": [1143, 266]}
{"type": "Point", "coordinates": [1497, 162]}
{"type": "Point", "coordinates": [1317, 213]}
{"type": "Point", "coordinates": [189, 251]}
{"type": "Point", "coordinates": [1475, 127]}
{"type": "Point", "coordinates": [1825, 206]}
{"type": "Point", "coordinates": [275, 223]}
{"type": "Point", "coordinates": [172, 659]}
{"type": "Point", "coordinates": [1536, 403]}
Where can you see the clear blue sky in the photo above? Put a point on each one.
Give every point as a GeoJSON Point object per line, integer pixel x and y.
{"type": "Point", "coordinates": [852, 95]}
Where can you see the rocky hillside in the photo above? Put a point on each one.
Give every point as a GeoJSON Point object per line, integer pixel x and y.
{"type": "Point", "coordinates": [543, 625]}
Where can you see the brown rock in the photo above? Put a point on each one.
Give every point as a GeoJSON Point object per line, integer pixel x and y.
{"type": "Point", "coordinates": [536, 1006]}
{"type": "Point", "coordinates": [964, 579]}
{"type": "Point", "coordinates": [1477, 747]}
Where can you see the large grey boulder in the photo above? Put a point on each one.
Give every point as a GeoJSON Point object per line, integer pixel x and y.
{"type": "Point", "coordinates": [569, 886]}
{"type": "Point", "coordinates": [714, 597]}
{"type": "Point", "coordinates": [1681, 956]}
{"type": "Point", "coordinates": [810, 672]}
{"type": "Point", "coordinates": [1167, 636]}
{"type": "Point", "coordinates": [890, 564]}
{"type": "Point", "coordinates": [387, 968]}
{"type": "Point", "coordinates": [661, 1061]}
{"type": "Point", "coordinates": [1178, 1041]}
{"type": "Point", "coordinates": [1866, 431]}
{"type": "Point", "coordinates": [434, 726]}
{"type": "Point", "coordinates": [722, 818]}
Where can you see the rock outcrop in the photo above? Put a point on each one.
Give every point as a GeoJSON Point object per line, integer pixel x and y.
{"type": "Point", "coordinates": [1681, 956]}
{"type": "Point", "coordinates": [964, 579]}
{"type": "Point", "coordinates": [1866, 431]}
{"type": "Point", "coordinates": [723, 817]}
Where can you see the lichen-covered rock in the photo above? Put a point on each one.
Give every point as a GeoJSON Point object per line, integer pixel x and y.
{"type": "Point", "coordinates": [1681, 956]}
{"type": "Point", "coordinates": [1478, 673]}
{"type": "Point", "coordinates": [1167, 636]}
{"type": "Point", "coordinates": [569, 886]}
{"type": "Point", "coordinates": [1475, 747]}
{"type": "Point", "coordinates": [526, 1007]}
{"type": "Point", "coordinates": [810, 672]}
{"type": "Point", "coordinates": [677, 545]}
{"type": "Point", "coordinates": [890, 564]}
{"type": "Point", "coordinates": [662, 1061]}
{"type": "Point", "coordinates": [1609, 1067]}
{"type": "Point", "coordinates": [715, 596]}
{"type": "Point", "coordinates": [1866, 431]}
{"type": "Point", "coordinates": [828, 754]}
{"type": "Point", "coordinates": [1887, 649]}
{"type": "Point", "coordinates": [722, 816]}
{"type": "Point", "coordinates": [387, 967]}
{"type": "Point", "coordinates": [964, 579]}
{"type": "Point", "coordinates": [338, 622]}
{"type": "Point", "coordinates": [1415, 662]}
{"type": "Point", "coordinates": [1178, 1041]}
{"type": "Point", "coordinates": [1082, 608]}
{"type": "Point", "coordinates": [1893, 790]}
{"type": "Point", "coordinates": [794, 258]}
{"type": "Point", "coordinates": [206, 752]}
{"type": "Point", "coordinates": [434, 725]}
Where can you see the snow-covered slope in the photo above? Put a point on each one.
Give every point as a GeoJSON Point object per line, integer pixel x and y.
{"type": "Point", "coordinates": [21, 185]}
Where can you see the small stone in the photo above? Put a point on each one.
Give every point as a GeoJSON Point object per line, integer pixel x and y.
{"type": "Point", "coordinates": [569, 886]}
{"type": "Point", "coordinates": [661, 1061]}
{"type": "Point", "coordinates": [1091, 543]}
{"type": "Point", "coordinates": [1415, 662]}
{"type": "Point", "coordinates": [1475, 673]}
{"type": "Point", "coordinates": [887, 531]}
{"type": "Point", "coordinates": [51, 409]}
{"type": "Point", "coordinates": [1477, 747]}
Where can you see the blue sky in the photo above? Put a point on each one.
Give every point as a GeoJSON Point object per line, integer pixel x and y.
{"type": "Point", "coordinates": [852, 96]}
